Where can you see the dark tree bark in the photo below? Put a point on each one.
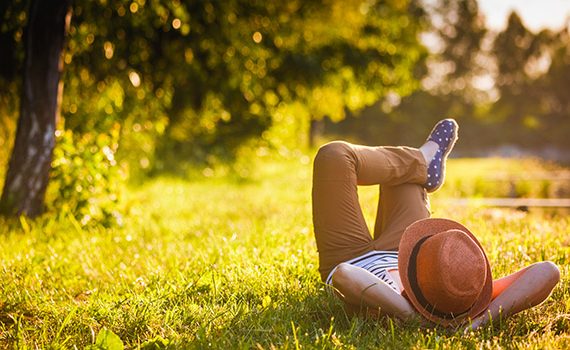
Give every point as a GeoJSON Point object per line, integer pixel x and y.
{"type": "Point", "coordinates": [316, 129]}
{"type": "Point", "coordinates": [28, 169]}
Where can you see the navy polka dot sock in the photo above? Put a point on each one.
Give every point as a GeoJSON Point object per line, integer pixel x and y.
{"type": "Point", "coordinates": [444, 134]}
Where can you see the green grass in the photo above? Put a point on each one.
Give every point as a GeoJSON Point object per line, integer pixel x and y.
{"type": "Point", "coordinates": [227, 263]}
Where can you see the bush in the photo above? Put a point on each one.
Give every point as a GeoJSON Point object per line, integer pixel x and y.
{"type": "Point", "coordinates": [85, 181]}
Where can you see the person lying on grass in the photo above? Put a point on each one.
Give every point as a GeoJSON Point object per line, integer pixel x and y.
{"type": "Point", "coordinates": [414, 265]}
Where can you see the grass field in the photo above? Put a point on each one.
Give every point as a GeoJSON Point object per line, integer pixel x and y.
{"type": "Point", "coordinates": [229, 263]}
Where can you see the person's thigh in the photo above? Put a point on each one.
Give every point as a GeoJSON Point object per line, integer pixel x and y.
{"type": "Point", "coordinates": [340, 230]}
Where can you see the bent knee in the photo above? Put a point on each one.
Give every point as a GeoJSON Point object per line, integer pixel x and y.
{"type": "Point", "coordinates": [341, 274]}
{"type": "Point", "coordinates": [333, 155]}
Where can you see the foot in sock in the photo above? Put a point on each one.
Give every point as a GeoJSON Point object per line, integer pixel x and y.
{"type": "Point", "coordinates": [444, 135]}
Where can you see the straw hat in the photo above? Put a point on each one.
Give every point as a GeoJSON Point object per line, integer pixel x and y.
{"type": "Point", "coordinates": [444, 271]}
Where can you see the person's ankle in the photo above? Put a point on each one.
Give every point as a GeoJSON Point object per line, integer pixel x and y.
{"type": "Point", "coordinates": [428, 150]}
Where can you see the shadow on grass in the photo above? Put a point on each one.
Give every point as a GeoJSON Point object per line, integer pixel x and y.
{"type": "Point", "coordinates": [313, 320]}
{"type": "Point", "coordinates": [318, 320]}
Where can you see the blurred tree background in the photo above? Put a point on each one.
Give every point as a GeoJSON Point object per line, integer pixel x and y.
{"type": "Point", "coordinates": [156, 85]}
{"type": "Point", "coordinates": [506, 89]}
{"type": "Point", "coordinates": [153, 86]}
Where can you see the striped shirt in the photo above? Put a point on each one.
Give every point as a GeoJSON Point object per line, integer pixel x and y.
{"type": "Point", "coordinates": [378, 262]}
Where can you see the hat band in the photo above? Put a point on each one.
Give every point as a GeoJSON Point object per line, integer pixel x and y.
{"type": "Point", "coordinates": [412, 277]}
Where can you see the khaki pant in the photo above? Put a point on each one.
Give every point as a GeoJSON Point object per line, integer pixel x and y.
{"type": "Point", "coordinates": [340, 230]}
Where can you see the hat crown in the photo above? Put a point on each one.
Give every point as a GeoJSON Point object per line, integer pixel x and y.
{"type": "Point", "coordinates": [451, 271]}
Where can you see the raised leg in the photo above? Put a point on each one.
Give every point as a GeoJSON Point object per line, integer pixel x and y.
{"type": "Point", "coordinates": [340, 229]}
{"type": "Point", "coordinates": [398, 207]}
{"type": "Point", "coordinates": [402, 204]}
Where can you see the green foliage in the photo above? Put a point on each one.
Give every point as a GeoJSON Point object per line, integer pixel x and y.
{"type": "Point", "coordinates": [157, 343]}
{"type": "Point", "coordinates": [461, 28]}
{"type": "Point", "coordinates": [106, 340]}
{"type": "Point", "coordinates": [223, 264]}
{"type": "Point", "coordinates": [86, 182]}
{"type": "Point", "coordinates": [213, 81]}
{"type": "Point", "coordinates": [509, 96]}
{"type": "Point", "coordinates": [217, 73]}
{"type": "Point", "coordinates": [7, 131]}
{"type": "Point", "coordinates": [199, 81]}
{"type": "Point", "coordinates": [12, 16]}
{"type": "Point", "coordinates": [514, 47]}
{"type": "Point", "coordinates": [530, 68]}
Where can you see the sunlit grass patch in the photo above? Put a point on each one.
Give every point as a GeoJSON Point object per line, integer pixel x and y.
{"type": "Point", "coordinates": [222, 263]}
{"type": "Point", "coordinates": [500, 177]}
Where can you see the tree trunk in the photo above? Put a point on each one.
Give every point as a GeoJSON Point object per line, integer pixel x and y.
{"type": "Point", "coordinates": [28, 170]}
{"type": "Point", "coordinates": [316, 129]}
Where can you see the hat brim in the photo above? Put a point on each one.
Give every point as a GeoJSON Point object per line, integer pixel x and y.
{"type": "Point", "coordinates": [427, 227]}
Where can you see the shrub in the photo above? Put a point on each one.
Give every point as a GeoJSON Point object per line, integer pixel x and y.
{"type": "Point", "coordinates": [85, 180]}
